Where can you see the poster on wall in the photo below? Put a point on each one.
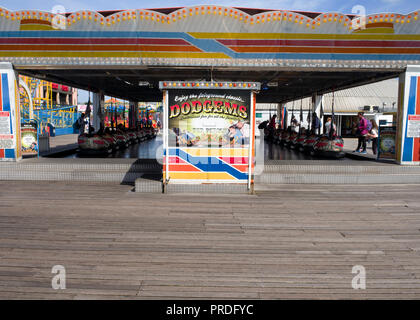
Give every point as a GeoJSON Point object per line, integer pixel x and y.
{"type": "Point", "coordinates": [5, 123]}
{"type": "Point", "coordinates": [6, 139]}
{"type": "Point", "coordinates": [209, 118]}
{"type": "Point", "coordinates": [386, 143]}
{"type": "Point", "coordinates": [29, 136]}
{"type": "Point", "coordinates": [413, 126]}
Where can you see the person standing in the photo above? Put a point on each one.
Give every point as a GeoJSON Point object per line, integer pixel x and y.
{"type": "Point", "coordinates": [81, 123]}
{"type": "Point", "coordinates": [328, 126]}
{"type": "Point", "coordinates": [362, 132]}
{"type": "Point", "coordinates": [271, 127]}
{"type": "Point", "coordinates": [245, 132]}
{"type": "Point", "coordinates": [373, 134]}
{"type": "Point", "coordinates": [273, 122]}
{"type": "Point", "coordinates": [316, 123]}
{"type": "Point", "coordinates": [294, 124]}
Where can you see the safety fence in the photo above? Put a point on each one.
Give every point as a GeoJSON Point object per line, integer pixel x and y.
{"type": "Point", "coordinates": [54, 121]}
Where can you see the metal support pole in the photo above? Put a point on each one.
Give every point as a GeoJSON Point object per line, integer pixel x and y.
{"type": "Point", "coordinates": [165, 139]}
{"type": "Point", "coordinates": [251, 142]}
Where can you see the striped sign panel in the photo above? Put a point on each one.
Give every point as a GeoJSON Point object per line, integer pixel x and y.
{"type": "Point", "coordinates": [208, 165]}
{"type": "Point", "coordinates": [411, 151]}
{"type": "Point", "coordinates": [217, 35]}
{"type": "Point", "coordinates": [6, 125]}
{"type": "Point", "coordinates": [133, 44]}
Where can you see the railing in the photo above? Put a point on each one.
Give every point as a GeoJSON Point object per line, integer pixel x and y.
{"type": "Point", "coordinates": [58, 118]}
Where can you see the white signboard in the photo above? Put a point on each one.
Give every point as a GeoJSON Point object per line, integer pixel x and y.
{"type": "Point", "coordinates": [413, 127]}
{"type": "Point", "coordinates": [5, 123]}
{"type": "Point", "coordinates": [6, 141]}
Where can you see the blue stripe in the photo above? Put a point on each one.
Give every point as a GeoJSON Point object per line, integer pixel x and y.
{"type": "Point", "coordinates": [408, 142]}
{"type": "Point", "coordinates": [9, 153]}
{"type": "Point", "coordinates": [6, 98]}
{"type": "Point", "coordinates": [207, 45]}
{"type": "Point", "coordinates": [208, 164]}
{"type": "Point", "coordinates": [5, 92]}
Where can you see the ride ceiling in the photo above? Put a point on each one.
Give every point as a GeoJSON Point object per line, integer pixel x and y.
{"type": "Point", "coordinates": [282, 86]}
{"type": "Point", "coordinates": [125, 53]}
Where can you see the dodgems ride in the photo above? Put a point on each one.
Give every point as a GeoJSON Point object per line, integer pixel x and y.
{"type": "Point", "coordinates": [110, 140]}
{"type": "Point", "coordinates": [327, 145]}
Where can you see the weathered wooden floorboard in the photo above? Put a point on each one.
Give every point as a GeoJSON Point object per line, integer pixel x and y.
{"type": "Point", "coordinates": [299, 242]}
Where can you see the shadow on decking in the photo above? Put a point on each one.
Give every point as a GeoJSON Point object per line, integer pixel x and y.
{"type": "Point", "coordinates": [147, 169]}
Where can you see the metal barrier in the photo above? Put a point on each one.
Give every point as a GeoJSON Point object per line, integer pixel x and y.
{"type": "Point", "coordinates": [58, 119]}
{"type": "Point", "coordinates": [44, 143]}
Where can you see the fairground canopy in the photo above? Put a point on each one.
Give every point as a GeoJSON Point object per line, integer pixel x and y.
{"type": "Point", "coordinates": [295, 53]}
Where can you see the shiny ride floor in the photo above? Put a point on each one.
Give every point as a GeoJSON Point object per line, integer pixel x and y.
{"type": "Point", "coordinates": [275, 152]}
{"type": "Point", "coordinates": [150, 148]}
{"type": "Point", "coordinates": [144, 150]}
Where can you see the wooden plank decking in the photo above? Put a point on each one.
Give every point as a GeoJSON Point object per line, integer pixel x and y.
{"type": "Point", "coordinates": [301, 242]}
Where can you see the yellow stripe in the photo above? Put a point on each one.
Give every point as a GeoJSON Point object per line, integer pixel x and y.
{"type": "Point", "coordinates": [208, 152]}
{"type": "Point", "coordinates": [26, 27]}
{"type": "Point", "coordinates": [200, 176]}
{"type": "Point", "coordinates": [107, 54]}
{"type": "Point", "coordinates": [375, 30]}
{"type": "Point", "coordinates": [206, 55]}
{"type": "Point", "coordinates": [274, 36]}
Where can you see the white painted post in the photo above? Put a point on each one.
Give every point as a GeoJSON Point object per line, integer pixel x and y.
{"type": "Point", "coordinates": [408, 124]}
{"type": "Point", "coordinates": [10, 135]}
{"type": "Point", "coordinates": [97, 108]}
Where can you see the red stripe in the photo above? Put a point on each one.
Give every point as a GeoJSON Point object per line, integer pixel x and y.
{"type": "Point", "coordinates": [1, 153]}
{"type": "Point", "coordinates": [183, 167]}
{"type": "Point", "coordinates": [235, 160]}
{"type": "Point", "coordinates": [323, 43]}
{"type": "Point", "coordinates": [241, 167]}
{"type": "Point", "coordinates": [93, 41]}
{"type": "Point", "coordinates": [309, 49]}
{"type": "Point", "coordinates": [176, 160]}
{"type": "Point", "coordinates": [416, 147]}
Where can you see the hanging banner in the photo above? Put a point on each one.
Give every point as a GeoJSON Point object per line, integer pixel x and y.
{"type": "Point", "coordinates": [386, 142]}
{"type": "Point", "coordinates": [209, 135]}
{"type": "Point", "coordinates": [29, 134]}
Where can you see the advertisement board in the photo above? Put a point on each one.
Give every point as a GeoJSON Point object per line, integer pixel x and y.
{"type": "Point", "coordinates": [209, 134]}
{"type": "Point", "coordinates": [209, 118]}
{"type": "Point", "coordinates": [386, 142]}
{"type": "Point", "coordinates": [413, 126]}
{"type": "Point", "coordinates": [29, 138]}
{"type": "Point", "coordinates": [6, 139]}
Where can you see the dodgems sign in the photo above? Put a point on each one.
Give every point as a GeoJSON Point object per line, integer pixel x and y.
{"type": "Point", "coordinates": [209, 132]}
{"type": "Point", "coordinates": [213, 118]}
